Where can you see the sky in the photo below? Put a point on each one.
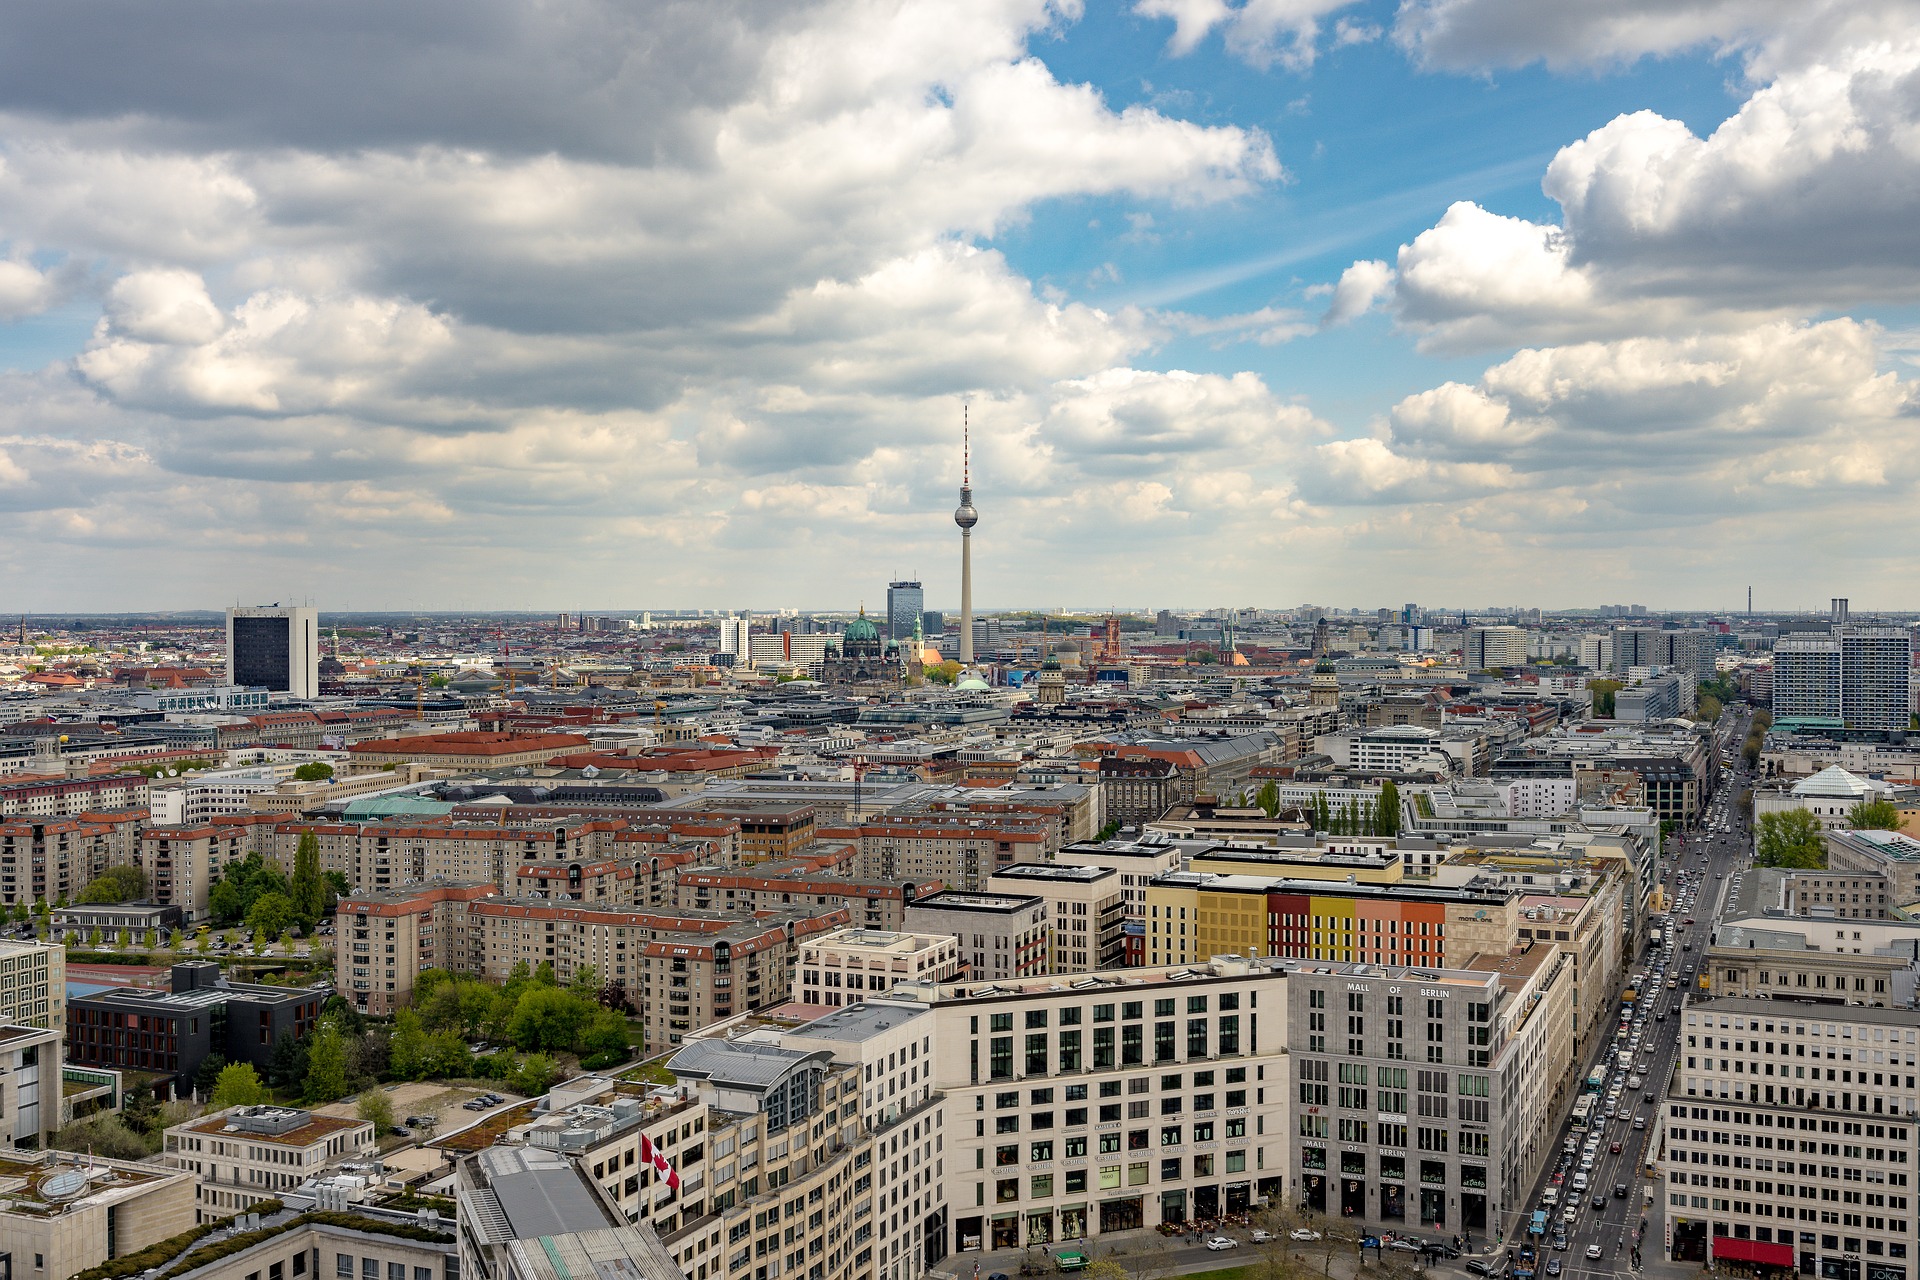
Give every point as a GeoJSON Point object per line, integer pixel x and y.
{"type": "Point", "coordinates": [471, 304]}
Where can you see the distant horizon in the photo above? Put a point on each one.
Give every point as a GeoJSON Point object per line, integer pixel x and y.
{"type": "Point", "coordinates": [1359, 612]}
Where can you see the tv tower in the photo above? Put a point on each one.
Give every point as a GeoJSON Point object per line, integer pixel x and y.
{"type": "Point", "coordinates": [966, 517]}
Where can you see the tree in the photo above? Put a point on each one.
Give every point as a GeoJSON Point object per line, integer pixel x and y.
{"type": "Point", "coordinates": [376, 1108]}
{"type": "Point", "coordinates": [1603, 691]}
{"type": "Point", "coordinates": [140, 1108]}
{"type": "Point", "coordinates": [407, 1050]}
{"type": "Point", "coordinates": [288, 1066]}
{"type": "Point", "coordinates": [1790, 838]}
{"type": "Point", "coordinates": [535, 1075]}
{"type": "Point", "coordinates": [1268, 798]}
{"type": "Point", "coordinates": [207, 1075]}
{"type": "Point", "coordinates": [549, 1018]}
{"type": "Point", "coordinates": [270, 915]}
{"type": "Point", "coordinates": [604, 1041]}
{"type": "Point", "coordinates": [326, 1064]}
{"type": "Point", "coordinates": [238, 1086]}
{"type": "Point", "coordinates": [1389, 809]}
{"type": "Point", "coordinates": [309, 888]}
{"type": "Point", "coordinates": [1874, 815]}
{"type": "Point", "coordinates": [116, 884]}
{"type": "Point", "coordinates": [448, 1056]}
{"type": "Point", "coordinates": [313, 771]}
{"type": "Point", "coordinates": [586, 980]}
{"type": "Point", "coordinates": [242, 884]}
{"type": "Point", "coordinates": [1709, 709]}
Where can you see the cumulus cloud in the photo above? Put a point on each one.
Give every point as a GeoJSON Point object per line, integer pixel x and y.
{"type": "Point", "coordinates": [1710, 422]}
{"type": "Point", "coordinates": [1472, 35]}
{"type": "Point", "coordinates": [1798, 202]}
{"type": "Point", "coordinates": [1361, 286]}
{"type": "Point", "coordinates": [1263, 33]}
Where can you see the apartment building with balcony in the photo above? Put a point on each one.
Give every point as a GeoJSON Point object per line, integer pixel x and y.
{"type": "Point", "coordinates": [385, 938]}
{"type": "Point", "coordinates": [1086, 909]}
{"type": "Point", "coordinates": [1001, 935]}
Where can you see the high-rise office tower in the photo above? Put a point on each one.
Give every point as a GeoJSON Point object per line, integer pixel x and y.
{"type": "Point", "coordinates": [736, 638]}
{"type": "Point", "coordinates": [966, 517]}
{"type": "Point", "coordinates": [1849, 678]}
{"type": "Point", "coordinates": [906, 602]}
{"type": "Point", "coordinates": [1838, 605]}
{"type": "Point", "coordinates": [275, 648]}
{"type": "Point", "coordinates": [1491, 648]}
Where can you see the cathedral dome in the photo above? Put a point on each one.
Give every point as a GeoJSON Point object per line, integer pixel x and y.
{"type": "Point", "coordinates": [862, 630]}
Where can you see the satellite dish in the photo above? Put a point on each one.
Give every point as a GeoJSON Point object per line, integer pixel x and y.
{"type": "Point", "coordinates": [64, 1185]}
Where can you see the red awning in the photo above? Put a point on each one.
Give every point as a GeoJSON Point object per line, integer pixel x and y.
{"type": "Point", "coordinates": [1773, 1255]}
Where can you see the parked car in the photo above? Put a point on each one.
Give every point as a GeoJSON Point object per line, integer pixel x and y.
{"type": "Point", "coordinates": [1404, 1246]}
{"type": "Point", "coordinates": [1261, 1235]}
{"type": "Point", "coordinates": [1303, 1233]}
{"type": "Point", "coordinates": [1217, 1243]}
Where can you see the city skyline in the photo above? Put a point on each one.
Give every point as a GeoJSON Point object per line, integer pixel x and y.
{"type": "Point", "coordinates": [1343, 297]}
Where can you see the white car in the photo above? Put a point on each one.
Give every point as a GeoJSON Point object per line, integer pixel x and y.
{"type": "Point", "coordinates": [1303, 1233]}
{"type": "Point", "coordinates": [1261, 1235]}
{"type": "Point", "coordinates": [1217, 1243]}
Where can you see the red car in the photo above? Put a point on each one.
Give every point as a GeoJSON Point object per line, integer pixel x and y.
{"type": "Point", "coordinates": [1688, 920]}
{"type": "Point", "coordinates": [1615, 1148]}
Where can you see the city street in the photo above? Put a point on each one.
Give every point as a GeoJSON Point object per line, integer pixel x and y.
{"type": "Point", "coordinates": [1698, 870]}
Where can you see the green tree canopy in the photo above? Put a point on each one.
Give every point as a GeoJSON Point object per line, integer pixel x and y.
{"type": "Point", "coordinates": [313, 771]}
{"type": "Point", "coordinates": [239, 1085]}
{"type": "Point", "coordinates": [1709, 708]}
{"type": "Point", "coordinates": [1790, 838]}
{"type": "Point", "coordinates": [326, 1079]}
{"type": "Point", "coordinates": [309, 888]}
{"type": "Point", "coordinates": [376, 1108]}
{"type": "Point", "coordinates": [549, 1018]}
{"type": "Point", "coordinates": [1874, 815]}
{"type": "Point", "coordinates": [1603, 691]}
{"type": "Point", "coordinates": [241, 884]}
{"type": "Point", "coordinates": [407, 1049]}
{"type": "Point", "coordinates": [1389, 809]}
{"type": "Point", "coordinates": [116, 884]}
{"type": "Point", "coordinates": [271, 915]}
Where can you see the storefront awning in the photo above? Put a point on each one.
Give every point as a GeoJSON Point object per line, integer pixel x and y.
{"type": "Point", "coordinates": [1772, 1255]}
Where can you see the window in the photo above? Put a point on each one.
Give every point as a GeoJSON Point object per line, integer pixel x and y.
{"type": "Point", "coordinates": [342, 1265]}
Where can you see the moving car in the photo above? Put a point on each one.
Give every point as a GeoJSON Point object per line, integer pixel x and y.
{"type": "Point", "coordinates": [1476, 1267]}
{"type": "Point", "coordinates": [1553, 1266]}
{"type": "Point", "coordinates": [1620, 1191]}
{"type": "Point", "coordinates": [1261, 1236]}
{"type": "Point", "coordinates": [1217, 1243]}
{"type": "Point", "coordinates": [1593, 1251]}
{"type": "Point", "coordinates": [1303, 1233]}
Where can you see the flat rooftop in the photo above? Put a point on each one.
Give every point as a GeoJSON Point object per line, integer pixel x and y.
{"type": "Point", "coordinates": [1055, 871]}
{"type": "Point", "coordinates": [315, 1128]}
{"type": "Point", "coordinates": [960, 900]}
{"type": "Point", "coordinates": [858, 1022]}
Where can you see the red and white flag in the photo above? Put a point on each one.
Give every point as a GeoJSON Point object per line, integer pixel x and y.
{"type": "Point", "coordinates": [650, 1154]}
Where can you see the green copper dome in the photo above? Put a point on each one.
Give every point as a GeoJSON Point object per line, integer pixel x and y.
{"type": "Point", "coordinates": [861, 629]}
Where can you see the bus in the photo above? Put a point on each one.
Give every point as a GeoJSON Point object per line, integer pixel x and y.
{"type": "Point", "coordinates": [1583, 1110]}
{"type": "Point", "coordinates": [1596, 1080]}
